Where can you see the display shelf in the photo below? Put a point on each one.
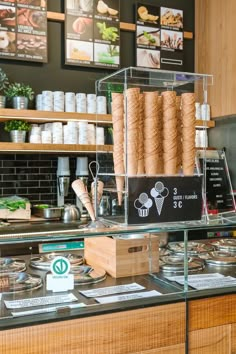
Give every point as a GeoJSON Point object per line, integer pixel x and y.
{"type": "Point", "coordinates": [54, 148]}
{"type": "Point", "coordinates": [35, 116]}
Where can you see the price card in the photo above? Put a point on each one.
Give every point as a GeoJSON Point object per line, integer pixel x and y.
{"type": "Point", "coordinates": [164, 199]}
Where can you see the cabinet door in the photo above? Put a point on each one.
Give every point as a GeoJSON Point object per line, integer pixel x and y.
{"type": "Point", "coordinates": [233, 339]}
{"type": "Point", "coordinates": [215, 340]}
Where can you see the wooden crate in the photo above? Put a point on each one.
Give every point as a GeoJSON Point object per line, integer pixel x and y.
{"type": "Point", "coordinates": [123, 257]}
{"type": "Point", "coordinates": [17, 214]}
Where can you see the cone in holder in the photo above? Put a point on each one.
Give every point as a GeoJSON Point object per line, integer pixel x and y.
{"type": "Point", "coordinates": [82, 193]}
{"type": "Point", "coordinates": [118, 137]}
{"type": "Point", "coordinates": [188, 133]}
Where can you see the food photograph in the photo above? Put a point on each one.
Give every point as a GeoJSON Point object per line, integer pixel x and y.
{"type": "Point", "coordinates": [148, 36]}
{"type": "Point", "coordinates": [78, 50]}
{"type": "Point", "coordinates": [171, 39]}
{"type": "Point", "coordinates": [7, 16]}
{"type": "Point", "coordinates": [80, 27]}
{"type": "Point", "coordinates": [171, 17]}
{"type": "Point", "coordinates": [148, 58]}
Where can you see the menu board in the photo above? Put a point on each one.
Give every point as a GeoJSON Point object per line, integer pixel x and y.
{"type": "Point", "coordinates": [164, 199]}
{"type": "Point", "coordinates": [219, 194]}
{"type": "Point", "coordinates": [92, 33]}
{"type": "Point", "coordinates": [159, 37]}
{"type": "Point", "coordinates": [23, 30]}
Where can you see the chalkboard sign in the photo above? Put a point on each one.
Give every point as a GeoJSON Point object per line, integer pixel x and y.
{"type": "Point", "coordinates": [219, 194]}
{"type": "Point", "coordinates": [164, 199]}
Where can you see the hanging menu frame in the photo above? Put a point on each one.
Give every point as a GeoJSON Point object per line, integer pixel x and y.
{"type": "Point", "coordinates": [92, 33]}
{"type": "Point", "coordinates": [23, 30]}
{"type": "Point", "coordinates": [159, 37]}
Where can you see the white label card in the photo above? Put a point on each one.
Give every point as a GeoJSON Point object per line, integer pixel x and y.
{"type": "Point", "coordinates": [40, 301]}
{"type": "Point", "coordinates": [125, 297]}
{"type": "Point", "coordinates": [109, 290]}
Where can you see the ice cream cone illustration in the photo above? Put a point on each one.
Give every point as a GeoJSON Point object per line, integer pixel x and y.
{"type": "Point", "coordinates": [159, 193]}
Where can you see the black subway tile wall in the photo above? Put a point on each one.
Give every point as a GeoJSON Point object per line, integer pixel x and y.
{"type": "Point", "coordinates": [33, 176]}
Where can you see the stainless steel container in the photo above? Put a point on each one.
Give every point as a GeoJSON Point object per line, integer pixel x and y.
{"type": "Point", "coordinates": [49, 212]}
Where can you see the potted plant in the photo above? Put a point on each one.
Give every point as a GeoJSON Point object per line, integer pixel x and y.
{"type": "Point", "coordinates": [4, 82]}
{"type": "Point", "coordinates": [17, 130]}
{"type": "Point", "coordinates": [20, 94]}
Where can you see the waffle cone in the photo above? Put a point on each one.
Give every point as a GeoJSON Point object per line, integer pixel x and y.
{"type": "Point", "coordinates": [120, 182]}
{"type": "Point", "coordinates": [82, 193]}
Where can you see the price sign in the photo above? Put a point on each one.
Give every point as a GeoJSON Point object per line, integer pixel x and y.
{"type": "Point", "coordinates": [164, 199]}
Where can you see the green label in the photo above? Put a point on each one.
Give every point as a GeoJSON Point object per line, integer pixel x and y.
{"type": "Point", "coordinates": [68, 246]}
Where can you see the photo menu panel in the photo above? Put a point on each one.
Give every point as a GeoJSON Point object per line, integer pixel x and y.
{"type": "Point", "coordinates": [23, 30]}
{"type": "Point", "coordinates": [92, 33]}
{"type": "Point", "coordinates": [159, 37]}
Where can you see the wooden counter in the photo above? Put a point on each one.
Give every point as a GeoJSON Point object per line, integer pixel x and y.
{"type": "Point", "coordinates": [159, 329]}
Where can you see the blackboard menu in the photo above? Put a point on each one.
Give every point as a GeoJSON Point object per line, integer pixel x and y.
{"type": "Point", "coordinates": [92, 33]}
{"type": "Point", "coordinates": [23, 30]}
{"type": "Point", "coordinates": [164, 199]}
{"type": "Point", "coordinates": [159, 37]}
{"type": "Point", "coordinates": [219, 195]}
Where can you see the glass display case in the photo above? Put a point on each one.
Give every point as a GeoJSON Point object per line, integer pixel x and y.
{"type": "Point", "coordinates": [153, 174]}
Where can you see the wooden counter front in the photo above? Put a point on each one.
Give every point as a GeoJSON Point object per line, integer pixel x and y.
{"type": "Point", "coordinates": [159, 329]}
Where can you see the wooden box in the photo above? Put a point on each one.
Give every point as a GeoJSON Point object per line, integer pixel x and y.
{"type": "Point", "coordinates": [123, 257]}
{"type": "Point", "coordinates": [17, 214]}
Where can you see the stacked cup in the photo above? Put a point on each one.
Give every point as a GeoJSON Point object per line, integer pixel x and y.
{"type": "Point", "coordinates": [72, 132]}
{"type": "Point", "coordinates": [81, 103]}
{"type": "Point", "coordinates": [57, 133]}
{"type": "Point", "coordinates": [47, 100]}
{"type": "Point", "coordinates": [58, 101]}
{"type": "Point", "coordinates": [70, 102]}
{"type": "Point", "coordinates": [91, 103]}
{"type": "Point", "coordinates": [83, 132]}
{"type": "Point", "coordinates": [35, 135]}
{"type": "Point", "coordinates": [91, 134]}
{"type": "Point", "coordinates": [39, 102]}
{"type": "Point", "coordinates": [101, 105]}
{"type": "Point", "coordinates": [100, 136]}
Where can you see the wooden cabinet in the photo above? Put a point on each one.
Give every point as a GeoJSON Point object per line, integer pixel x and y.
{"type": "Point", "coordinates": [159, 329]}
{"type": "Point", "coordinates": [212, 325]}
{"type": "Point", "coordinates": [215, 52]}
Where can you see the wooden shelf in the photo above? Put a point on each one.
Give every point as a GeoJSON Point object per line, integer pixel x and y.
{"type": "Point", "coordinates": [125, 26]}
{"type": "Point", "coordinates": [55, 148]}
{"type": "Point", "coordinates": [205, 123]}
{"type": "Point", "coordinates": [35, 116]}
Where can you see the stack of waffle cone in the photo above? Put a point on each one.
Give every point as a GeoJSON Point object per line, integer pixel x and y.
{"type": "Point", "coordinates": [82, 193]}
{"type": "Point", "coordinates": [118, 138]}
{"type": "Point", "coordinates": [188, 133]}
{"type": "Point", "coordinates": [169, 132]}
{"type": "Point", "coordinates": [141, 169]}
{"type": "Point", "coordinates": [160, 135]}
{"type": "Point", "coordinates": [151, 133]}
{"type": "Point", "coordinates": [100, 186]}
{"type": "Point", "coordinates": [132, 124]}
{"type": "Point", "coordinates": [179, 133]}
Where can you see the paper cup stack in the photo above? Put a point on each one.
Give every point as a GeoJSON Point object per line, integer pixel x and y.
{"type": "Point", "coordinates": [132, 114]}
{"type": "Point", "coordinates": [169, 132]}
{"type": "Point", "coordinates": [151, 133]}
{"type": "Point", "coordinates": [118, 137]}
{"type": "Point", "coordinates": [188, 133]}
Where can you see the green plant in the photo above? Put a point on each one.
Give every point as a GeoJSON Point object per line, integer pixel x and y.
{"type": "Point", "coordinates": [16, 125]}
{"type": "Point", "coordinates": [108, 33]}
{"type": "Point", "coordinates": [19, 89]}
{"type": "Point", "coordinates": [4, 82]}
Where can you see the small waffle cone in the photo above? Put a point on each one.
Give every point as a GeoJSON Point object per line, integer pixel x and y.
{"type": "Point", "coordinates": [82, 193]}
